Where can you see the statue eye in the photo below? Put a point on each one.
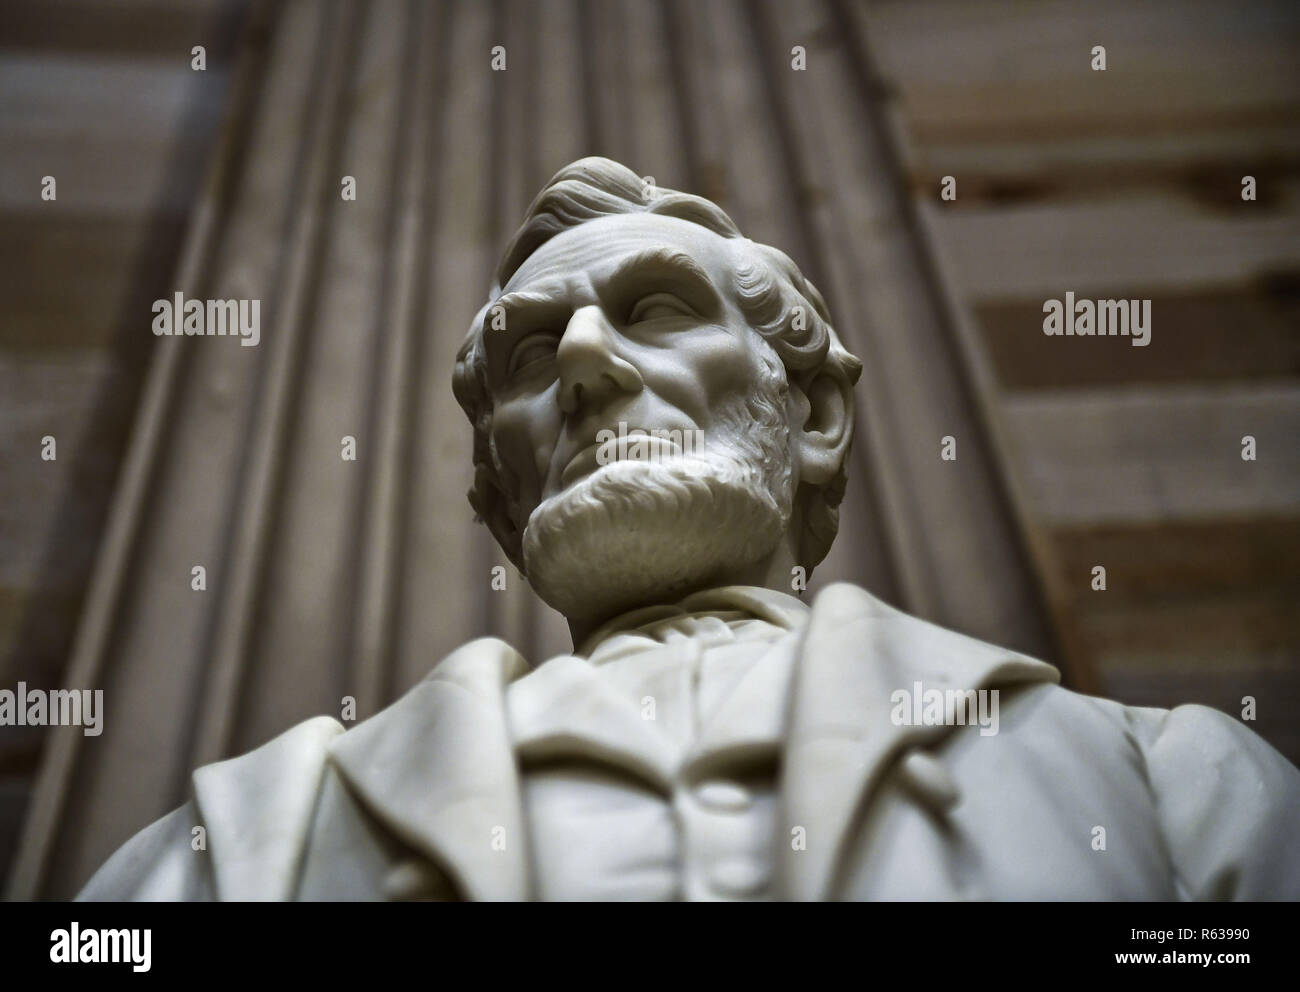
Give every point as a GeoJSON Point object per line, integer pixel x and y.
{"type": "Point", "coordinates": [531, 351]}
{"type": "Point", "coordinates": [656, 306]}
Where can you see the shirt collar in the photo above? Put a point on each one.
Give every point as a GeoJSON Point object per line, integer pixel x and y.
{"type": "Point", "coordinates": [775, 607]}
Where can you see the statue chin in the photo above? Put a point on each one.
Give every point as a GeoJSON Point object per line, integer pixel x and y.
{"type": "Point", "coordinates": [637, 533]}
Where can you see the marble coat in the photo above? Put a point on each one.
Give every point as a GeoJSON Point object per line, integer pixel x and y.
{"type": "Point", "coordinates": [423, 800]}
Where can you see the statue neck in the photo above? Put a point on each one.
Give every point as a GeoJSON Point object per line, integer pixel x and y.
{"type": "Point", "coordinates": [775, 571]}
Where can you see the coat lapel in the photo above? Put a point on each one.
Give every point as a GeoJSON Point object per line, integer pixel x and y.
{"type": "Point", "coordinates": [856, 652]}
{"type": "Point", "coordinates": [751, 719]}
{"type": "Point", "coordinates": [257, 811]}
{"type": "Point", "coordinates": [565, 709]}
{"type": "Point", "coordinates": [437, 768]}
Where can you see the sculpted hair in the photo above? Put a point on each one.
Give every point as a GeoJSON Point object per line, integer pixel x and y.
{"type": "Point", "coordinates": [783, 307]}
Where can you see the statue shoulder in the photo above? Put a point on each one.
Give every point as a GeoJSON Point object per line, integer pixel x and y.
{"type": "Point", "coordinates": [242, 834]}
{"type": "Point", "coordinates": [164, 862]}
{"type": "Point", "coordinates": [483, 664]}
{"type": "Point", "coordinates": [237, 837]}
{"type": "Point", "coordinates": [1228, 801]}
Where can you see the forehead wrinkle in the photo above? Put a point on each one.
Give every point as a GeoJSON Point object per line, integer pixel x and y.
{"type": "Point", "coordinates": [547, 291]}
{"type": "Point", "coordinates": [588, 247]}
{"type": "Point", "coordinates": [662, 256]}
{"type": "Point", "coordinates": [552, 271]}
{"type": "Point", "coordinates": [522, 298]}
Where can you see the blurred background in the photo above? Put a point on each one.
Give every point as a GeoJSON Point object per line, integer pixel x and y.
{"type": "Point", "coordinates": [329, 578]}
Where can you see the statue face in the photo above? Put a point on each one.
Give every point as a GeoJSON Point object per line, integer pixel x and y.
{"type": "Point", "coordinates": [627, 325]}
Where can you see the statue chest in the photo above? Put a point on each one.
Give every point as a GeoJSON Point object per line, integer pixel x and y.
{"type": "Point", "coordinates": [598, 835]}
{"type": "Point", "coordinates": [674, 797]}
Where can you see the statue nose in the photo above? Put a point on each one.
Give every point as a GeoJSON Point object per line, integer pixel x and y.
{"type": "Point", "coordinates": [590, 368]}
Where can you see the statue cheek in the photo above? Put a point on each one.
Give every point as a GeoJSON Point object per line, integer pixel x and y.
{"type": "Point", "coordinates": [728, 362]}
{"type": "Point", "coordinates": [525, 439]}
{"type": "Point", "coordinates": [704, 372]}
{"type": "Point", "coordinates": [720, 385]}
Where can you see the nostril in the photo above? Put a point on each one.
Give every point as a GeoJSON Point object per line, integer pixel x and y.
{"type": "Point", "coordinates": [577, 394]}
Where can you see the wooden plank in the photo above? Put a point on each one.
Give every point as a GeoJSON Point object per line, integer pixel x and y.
{"type": "Point", "coordinates": [1130, 454]}
{"type": "Point", "coordinates": [1155, 240]}
{"type": "Point", "coordinates": [1229, 636]}
{"type": "Point", "coordinates": [1177, 560]}
{"type": "Point", "coordinates": [1210, 334]}
{"type": "Point", "coordinates": [1014, 169]}
{"type": "Point", "coordinates": [1172, 66]}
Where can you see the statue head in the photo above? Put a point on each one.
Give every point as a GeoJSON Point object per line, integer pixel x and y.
{"type": "Point", "coordinates": [659, 404]}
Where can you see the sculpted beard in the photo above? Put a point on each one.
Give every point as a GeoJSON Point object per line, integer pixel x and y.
{"type": "Point", "coordinates": [633, 532]}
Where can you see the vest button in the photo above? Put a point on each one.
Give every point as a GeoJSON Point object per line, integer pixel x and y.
{"type": "Point", "coordinates": [721, 796]}
{"type": "Point", "coordinates": [739, 877]}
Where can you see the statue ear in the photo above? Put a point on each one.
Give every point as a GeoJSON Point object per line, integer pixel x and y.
{"type": "Point", "coordinates": [822, 428]}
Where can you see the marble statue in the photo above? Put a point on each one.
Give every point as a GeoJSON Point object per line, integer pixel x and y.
{"type": "Point", "coordinates": [662, 415]}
